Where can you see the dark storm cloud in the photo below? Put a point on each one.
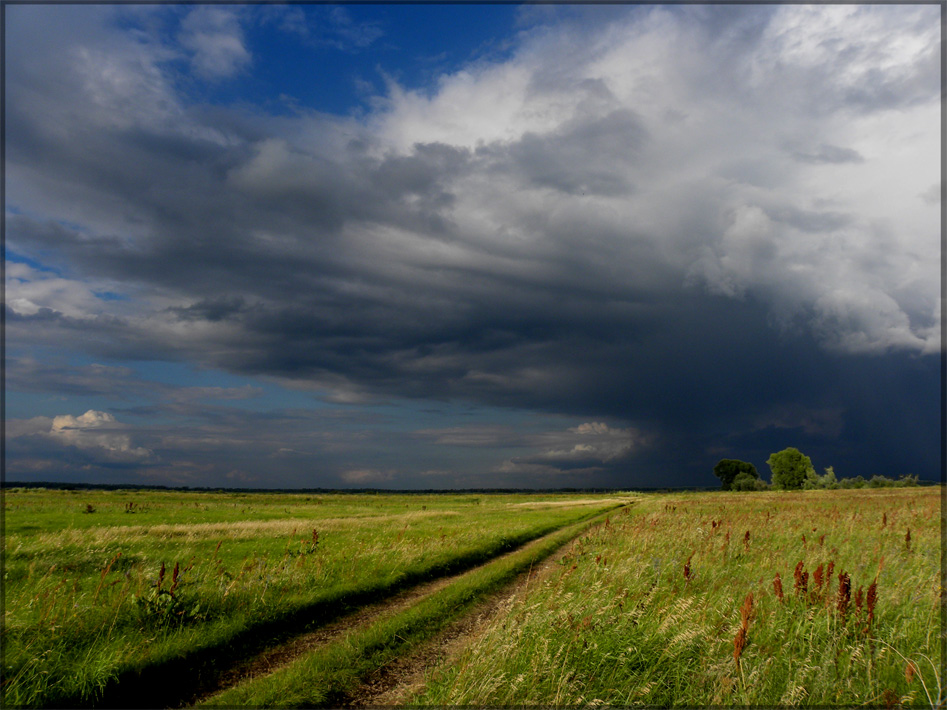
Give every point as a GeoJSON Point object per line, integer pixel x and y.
{"type": "Point", "coordinates": [212, 309]}
{"type": "Point", "coordinates": [639, 246]}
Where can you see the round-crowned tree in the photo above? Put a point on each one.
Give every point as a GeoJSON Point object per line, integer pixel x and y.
{"type": "Point", "coordinates": [728, 469]}
{"type": "Point", "coordinates": [791, 469]}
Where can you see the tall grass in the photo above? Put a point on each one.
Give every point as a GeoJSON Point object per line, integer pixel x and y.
{"type": "Point", "coordinates": [325, 676]}
{"type": "Point", "coordinates": [666, 608]}
{"type": "Point", "coordinates": [89, 605]}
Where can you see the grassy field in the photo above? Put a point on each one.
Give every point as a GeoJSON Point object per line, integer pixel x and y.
{"type": "Point", "coordinates": [104, 586]}
{"type": "Point", "coordinates": [812, 598]}
{"type": "Point", "coordinates": [816, 598]}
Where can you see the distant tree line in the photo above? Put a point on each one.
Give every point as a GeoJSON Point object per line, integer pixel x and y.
{"type": "Point", "coordinates": [792, 470]}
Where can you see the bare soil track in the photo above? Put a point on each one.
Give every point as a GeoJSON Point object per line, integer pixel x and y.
{"type": "Point", "coordinates": [393, 683]}
{"type": "Point", "coordinates": [277, 656]}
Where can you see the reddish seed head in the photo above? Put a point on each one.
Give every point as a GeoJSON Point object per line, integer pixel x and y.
{"type": "Point", "coordinates": [844, 594]}
{"type": "Point", "coordinates": [778, 587]}
{"type": "Point", "coordinates": [828, 581]}
{"type": "Point", "coordinates": [817, 577]}
{"type": "Point", "coordinates": [174, 578]}
{"type": "Point", "coordinates": [870, 599]}
{"type": "Point", "coordinates": [909, 670]}
{"type": "Point", "coordinates": [739, 643]}
{"type": "Point", "coordinates": [800, 577]}
{"type": "Point", "coordinates": [746, 613]}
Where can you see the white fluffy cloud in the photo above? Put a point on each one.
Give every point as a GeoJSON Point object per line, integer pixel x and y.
{"type": "Point", "coordinates": [30, 290]}
{"type": "Point", "coordinates": [96, 430]}
{"type": "Point", "coordinates": [789, 167]}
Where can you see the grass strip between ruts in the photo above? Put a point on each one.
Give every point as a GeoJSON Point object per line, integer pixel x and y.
{"type": "Point", "coordinates": [325, 676]}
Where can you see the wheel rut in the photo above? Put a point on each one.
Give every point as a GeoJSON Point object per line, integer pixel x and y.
{"type": "Point", "coordinates": [283, 654]}
{"type": "Point", "coordinates": [397, 682]}
{"type": "Point", "coordinates": [381, 683]}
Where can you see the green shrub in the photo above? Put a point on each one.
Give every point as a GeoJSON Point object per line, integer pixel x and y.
{"type": "Point", "coordinates": [745, 482]}
{"type": "Point", "coordinates": [792, 470]}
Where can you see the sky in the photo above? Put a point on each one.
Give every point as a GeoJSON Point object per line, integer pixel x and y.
{"type": "Point", "coordinates": [470, 246]}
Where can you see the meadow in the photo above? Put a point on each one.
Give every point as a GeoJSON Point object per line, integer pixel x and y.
{"type": "Point", "coordinates": [811, 598]}
{"type": "Point", "coordinates": [110, 595]}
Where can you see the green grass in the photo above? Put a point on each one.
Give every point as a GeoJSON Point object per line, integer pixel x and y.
{"type": "Point", "coordinates": [620, 623]}
{"type": "Point", "coordinates": [89, 612]}
{"type": "Point", "coordinates": [325, 676]}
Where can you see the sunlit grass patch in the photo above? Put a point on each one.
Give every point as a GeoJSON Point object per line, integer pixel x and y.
{"type": "Point", "coordinates": [678, 606]}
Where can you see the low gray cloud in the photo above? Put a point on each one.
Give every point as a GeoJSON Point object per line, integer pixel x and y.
{"type": "Point", "coordinates": [588, 447]}
{"type": "Point", "coordinates": [829, 154]}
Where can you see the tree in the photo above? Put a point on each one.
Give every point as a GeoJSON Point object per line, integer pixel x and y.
{"type": "Point", "coordinates": [791, 469]}
{"type": "Point", "coordinates": [746, 481]}
{"type": "Point", "coordinates": [828, 480]}
{"type": "Point", "coordinates": [728, 469]}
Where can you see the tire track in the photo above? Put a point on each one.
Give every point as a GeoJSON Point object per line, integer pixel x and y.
{"type": "Point", "coordinates": [396, 683]}
{"type": "Point", "coordinates": [283, 654]}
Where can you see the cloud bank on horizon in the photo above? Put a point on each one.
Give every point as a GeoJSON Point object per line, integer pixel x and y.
{"type": "Point", "coordinates": [622, 244]}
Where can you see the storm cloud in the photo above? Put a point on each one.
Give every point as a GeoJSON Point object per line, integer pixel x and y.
{"type": "Point", "coordinates": [691, 231]}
